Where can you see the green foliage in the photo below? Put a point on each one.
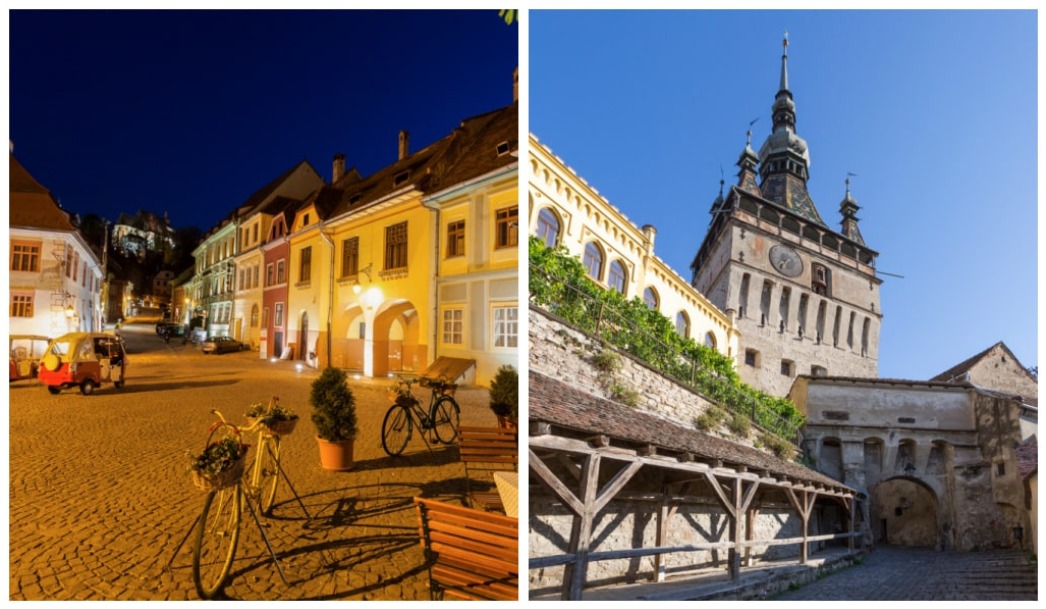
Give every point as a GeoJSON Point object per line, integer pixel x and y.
{"type": "Point", "coordinates": [334, 406]}
{"type": "Point", "coordinates": [504, 392]}
{"type": "Point", "coordinates": [559, 285]}
{"type": "Point", "coordinates": [218, 457]}
{"type": "Point", "coordinates": [782, 449]}
{"type": "Point", "coordinates": [607, 362]}
{"type": "Point", "coordinates": [740, 425]}
{"type": "Point", "coordinates": [509, 15]}
{"type": "Point", "coordinates": [711, 418]}
{"type": "Point", "coordinates": [624, 394]}
{"type": "Point", "coordinates": [270, 413]}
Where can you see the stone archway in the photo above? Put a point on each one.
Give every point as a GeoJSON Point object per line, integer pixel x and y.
{"type": "Point", "coordinates": [905, 512]}
{"type": "Point", "coordinates": [399, 345]}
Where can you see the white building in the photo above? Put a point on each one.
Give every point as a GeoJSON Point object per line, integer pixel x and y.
{"type": "Point", "coordinates": [56, 279]}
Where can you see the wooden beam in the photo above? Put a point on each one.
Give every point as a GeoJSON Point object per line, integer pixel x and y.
{"type": "Point", "coordinates": [615, 485]}
{"type": "Point", "coordinates": [581, 532]}
{"type": "Point", "coordinates": [723, 500]}
{"type": "Point", "coordinates": [553, 483]}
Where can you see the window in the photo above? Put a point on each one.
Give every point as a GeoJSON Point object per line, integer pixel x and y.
{"type": "Point", "coordinates": [835, 327]}
{"type": "Point", "coordinates": [864, 336]}
{"type": "Point", "coordinates": [764, 302]}
{"type": "Point", "coordinates": [507, 228]}
{"type": "Point", "coordinates": [305, 220]}
{"type": "Point", "coordinates": [594, 260]}
{"type": "Point", "coordinates": [453, 326]}
{"type": "Point", "coordinates": [396, 246]}
{"type": "Point", "coordinates": [804, 303]}
{"type": "Point", "coordinates": [787, 366]}
{"type": "Point", "coordinates": [616, 277]}
{"type": "Point", "coordinates": [269, 276]}
{"type": "Point", "coordinates": [305, 266]}
{"type": "Point", "coordinates": [456, 239]}
{"type": "Point", "coordinates": [548, 227]}
{"type": "Point", "coordinates": [506, 327]}
{"type": "Point", "coordinates": [265, 317]}
{"type": "Point", "coordinates": [278, 317]}
{"type": "Point", "coordinates": [752, 358]}
{"type": "Point", "coordinates": [254, 316]}
{"type": "Point", "coordinates": [280, 278]}
{"type": "Point", "coordinates": [821, 282]}
{"type": "Point", "coordinates": [683, 324]}
{"type": "Point", "coordinates": [69, 263]}
{"type": "Point", "coordinates": [742, 303]}
{"type": "Point", "coordinates": [21, 305]}
{"type": "Point", "coordinates": [710, 340]}
{"type": "Point", "coordinates": [818, 371]}
{"type": "Point", "coordinates": [650, 298]}
{"type": "Point", "coordinates": [242, 285]}
{"type": "Point", "coordinates": [350, 257]}
{"type": "Point", "coordinates": [76, 265]}
{"type": "Point", "coordinates": [254, 276]}
{"type": "Point", "coordinates": [254, 235]}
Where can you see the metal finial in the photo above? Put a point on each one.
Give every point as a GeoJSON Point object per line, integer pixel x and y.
{"type": "Point", "coordinates": [848, 174]}
{"type": "Point", "coordinates": [785, 44]}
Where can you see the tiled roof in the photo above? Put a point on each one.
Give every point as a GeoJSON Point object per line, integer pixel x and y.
{"type": "Point", "coordinates": [32, 205]}
{"type": "Point", "coordinates": [967, 365]}
{"type": "Point", "coordinates": [474, 151]}
{"type": "Point", "coordinates": [263, 193]}
{"type": "Point", "coordinates": [1028, 457]}
{"type": "Point", "coordinates": [560, 404]}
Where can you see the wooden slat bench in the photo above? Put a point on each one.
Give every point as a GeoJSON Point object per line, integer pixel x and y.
{"type": "Point", "coordinates": [470, 554]}
{"type": "Point", "coordinates": [485, 450]}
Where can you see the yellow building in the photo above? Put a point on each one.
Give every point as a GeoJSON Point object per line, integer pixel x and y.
{"type": "Point", "coordinates": [363, 275]}
{"type": "Point", "coordinates": [617, 254]}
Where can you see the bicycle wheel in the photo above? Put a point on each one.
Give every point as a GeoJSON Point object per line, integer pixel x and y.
{"type": "Point", "coordinates": [269, 476]}
{"type": "Point", "coordinates": [446, 417]}
{"type": "Point", "coordinates": [216, 539]}
{"type": "Point", "coordinates": [395, 430]}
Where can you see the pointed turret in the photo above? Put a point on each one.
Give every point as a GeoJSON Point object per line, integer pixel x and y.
{"type": "Point", "coordinates": [748, 162]}
{"type": "Point", "coordinates": [785, 158]}
{"type": "Point", "coordinates": [848, 208]}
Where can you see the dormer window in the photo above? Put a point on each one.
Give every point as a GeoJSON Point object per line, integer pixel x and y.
{"type": "Point", "coordinates": [305, 220]}
{"type": "Point", "coordinates": [354, 199]}
{"type": "Point", "coordinates": [401, 178]}
{"type": "Point", "coordinates": [503, 148]}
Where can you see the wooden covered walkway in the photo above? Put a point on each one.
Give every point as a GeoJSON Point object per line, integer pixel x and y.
{"type": "Point", "coordinates": [587, 450]}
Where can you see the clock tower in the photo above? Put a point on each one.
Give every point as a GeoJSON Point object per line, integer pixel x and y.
{"type": "Point", "coordinates": [806, 297]}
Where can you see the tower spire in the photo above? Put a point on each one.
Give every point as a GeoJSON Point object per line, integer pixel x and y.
{"type": "Point", "coordinates": [848, 208]}
{"type": "Point", "coordinates": [784, 64]}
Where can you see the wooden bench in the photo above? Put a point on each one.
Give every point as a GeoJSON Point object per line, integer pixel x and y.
{"type": "Point", "coordinates": [470, 554]}
{"type": "Point", "coordinates": [485, 450]}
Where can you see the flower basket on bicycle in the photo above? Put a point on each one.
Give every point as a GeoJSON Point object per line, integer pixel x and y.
{"type": "Point", "coordinates": [278, 421]}
{"type": "Point", "coordinates": [222, 462]}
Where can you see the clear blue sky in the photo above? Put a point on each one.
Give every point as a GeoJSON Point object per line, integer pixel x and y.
{"type": "Point", "coordinates": [190, 112]}
{"type": "Point", "coordinates": [935, 111]}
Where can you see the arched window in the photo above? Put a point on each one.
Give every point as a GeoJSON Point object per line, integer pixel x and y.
{"type": "Point", "coordinates": [683, 324]}
{"type": "Point", "coordinates": [616, 277]}
{"type": "Point", "coordinates": [710, 340]}
{"type": "Point", "coordinates": [594, 260]}
{"type": "Point", "coordinates": [548, 227]}
{"type": "Point", "coordinates": [254, 316]}
{"type": "Point", "coordinates": [650, 298]}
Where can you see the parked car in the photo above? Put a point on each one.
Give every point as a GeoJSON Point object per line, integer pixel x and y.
{"type": "Point", "coordinates": [83, 359]}
{"type": "Point", "coordinates": [26, 351]}
{"type": "Point", "coordinates": [221, 344]}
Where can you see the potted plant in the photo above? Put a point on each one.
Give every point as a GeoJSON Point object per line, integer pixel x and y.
{"type": "Point", "coordinates": [279, 420]}
{"type": "Point", "coordinates": [504, 396]}
{"type": "Point", "coordinates": [334, 415]}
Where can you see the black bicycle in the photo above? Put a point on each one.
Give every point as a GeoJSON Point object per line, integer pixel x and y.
{"type": "Point", "coordinates": [442, 417]}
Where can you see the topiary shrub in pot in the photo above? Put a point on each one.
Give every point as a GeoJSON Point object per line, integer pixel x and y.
{"type": "Point", "coordinates": [504, 396]}
{"type": "Point", "coordinates": [334, 414]}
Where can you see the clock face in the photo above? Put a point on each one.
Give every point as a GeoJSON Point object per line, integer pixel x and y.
{"type": "Point", "coordinates": [786, 261]}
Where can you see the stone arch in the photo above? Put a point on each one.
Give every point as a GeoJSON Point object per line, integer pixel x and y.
{"type": "Point", "coordinates": [830, 461]}
{"type": "Point", "coordinates": [350, 333]}
{"type": "Point", "coordinates": [397, 339]}
{"type": "Point", "coordinates": [905, 512]}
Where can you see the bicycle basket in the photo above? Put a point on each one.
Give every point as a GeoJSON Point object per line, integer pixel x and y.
{"type": "Point", "coordinates": [218, 453]}
{"type": "Point", "coordinates": [282, 427]}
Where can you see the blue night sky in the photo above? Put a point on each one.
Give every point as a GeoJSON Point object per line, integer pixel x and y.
{"type": "Point", "coordinates": [935, 111]}
{"type": "Point", "coordinates": [190, 112]}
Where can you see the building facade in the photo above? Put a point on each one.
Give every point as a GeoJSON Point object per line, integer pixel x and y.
{"type": "Point", "coordinates": [805, 296]}
{"type": "Point", "coordinates": [566, 212]}
{"type": "Point", "coordinates": [55, 276]}
{"type": "Point", "coordinates": [937, 460]}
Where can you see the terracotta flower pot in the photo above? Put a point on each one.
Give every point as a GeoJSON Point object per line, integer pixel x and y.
{"type": "Point", "coordinates": [506, 422]}
{"type": "Point", "coordinates": [335, 456]}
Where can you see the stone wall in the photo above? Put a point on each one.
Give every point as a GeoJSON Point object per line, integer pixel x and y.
{"type": "Point", "coordinates": [630, 521]}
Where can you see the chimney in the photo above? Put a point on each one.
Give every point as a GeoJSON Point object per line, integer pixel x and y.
{"type": "Point", "coordinates": [404, 144]}
{"type": "Point", "coordinates": [515, 85]}
{"type": "Point", "coordinates": [649, 232]}
{"type": "Point", "coordinates": [339, 167]}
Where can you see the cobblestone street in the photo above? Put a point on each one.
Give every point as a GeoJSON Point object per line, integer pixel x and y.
{"type": "Point", "coordinates": [894, 573]}
{"type": "Point", "coordinates": [100, 495]}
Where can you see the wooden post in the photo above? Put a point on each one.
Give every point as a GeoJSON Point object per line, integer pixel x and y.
{"type": "Point", "coordinates": [663, 515]}
{"type": "Point", "coordinates": [750, 517]}
{"type": "Point", "coordinates": [581, 531]}
{"type": "Point", "coordinates": [736, 533]}
{"type": "Point", "coordinates": [852, 504]}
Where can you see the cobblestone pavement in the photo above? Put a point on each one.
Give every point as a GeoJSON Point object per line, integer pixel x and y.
{"type": "Point", "coordinates": [100, 496]}
{"type": "Point", "coordinates": [895, 573]}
